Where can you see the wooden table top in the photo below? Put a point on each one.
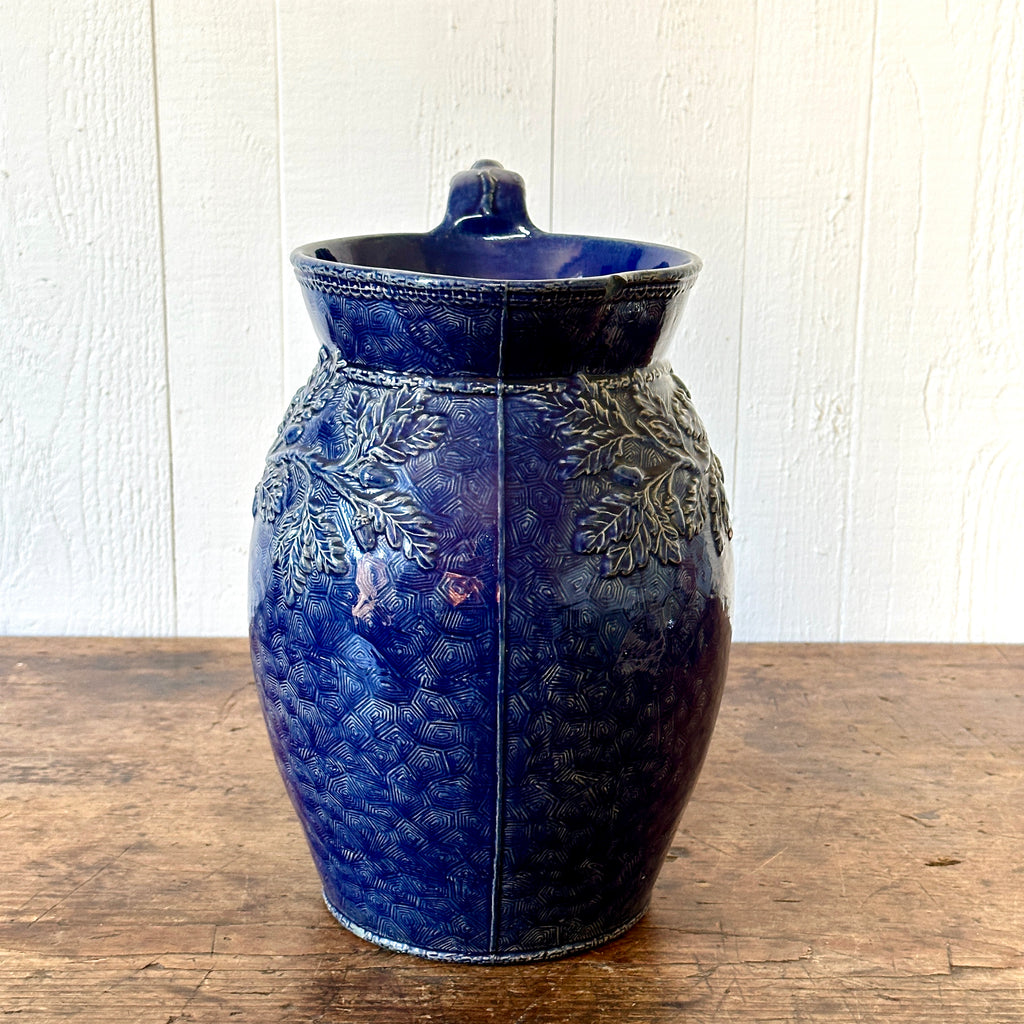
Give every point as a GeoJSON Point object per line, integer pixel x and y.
{"type": "Point", "coordinates": [853, 852]}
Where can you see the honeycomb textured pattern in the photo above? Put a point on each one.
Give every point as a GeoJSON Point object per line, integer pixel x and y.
{"type": "Point", "coordinates": [381, 319]}
{"type": "Point", "coordinates": [490, 629]}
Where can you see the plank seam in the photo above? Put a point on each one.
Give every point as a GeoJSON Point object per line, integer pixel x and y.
{"type": "Point", "coordinates": [282, 263]}
{"type": "Point", "coordinates": [845, 566]}
{"type": "Point", "coordinates": [158, 152]}
{"type": "Point", "coordinates": [554, 96]}
{"type": "Point", "coordinates": [746, 245]}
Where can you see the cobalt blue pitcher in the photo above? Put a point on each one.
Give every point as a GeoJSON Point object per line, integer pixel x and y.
{"type": "Point", "coordinates": [490, 581]}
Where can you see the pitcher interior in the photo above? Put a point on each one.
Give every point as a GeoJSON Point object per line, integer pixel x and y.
{"type": "Point", "coordinates": [525, 257]}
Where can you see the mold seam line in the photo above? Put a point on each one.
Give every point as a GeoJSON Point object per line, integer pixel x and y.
{"type": "Point", "coordinates": [499, 724]}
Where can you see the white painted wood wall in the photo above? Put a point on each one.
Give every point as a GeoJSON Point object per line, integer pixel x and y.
{"type": "Point", "coordinates": [851, 171]}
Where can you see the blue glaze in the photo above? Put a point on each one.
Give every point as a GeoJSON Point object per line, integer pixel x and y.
{"type": "Point", "coordinates": [490, 581]}
{"type": "Point", "coordinates": [436, 303]}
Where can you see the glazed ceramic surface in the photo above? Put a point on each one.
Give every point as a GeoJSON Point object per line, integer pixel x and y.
{"type": "Point", "coordinates": [490, 581]}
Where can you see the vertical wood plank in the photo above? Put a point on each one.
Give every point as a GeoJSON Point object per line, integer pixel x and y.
{"type": "Point", "coordinates": [382, 103]}
{"type": "Point", "coordinates": [803, 249]}
{"type": "Point", "coordinates": [85, 533]}
{"type": "Point", "coordinates": [217, 93]}
{"type": "Point", "coordinates": [990, 548]}
{"type": "Point", "coordinates": [875, 455]}
{"type": "Point", "coordinates": [651, 141]}
{"type": "Point", "coordinates": [934, 547]}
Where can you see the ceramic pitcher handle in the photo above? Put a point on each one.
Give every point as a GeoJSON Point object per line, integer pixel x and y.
{"type": "Point", "coordinates": [487, 200]}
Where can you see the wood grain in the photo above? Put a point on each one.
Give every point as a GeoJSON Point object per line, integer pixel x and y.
{"type": "Point", "coordinates": [852, 853]}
